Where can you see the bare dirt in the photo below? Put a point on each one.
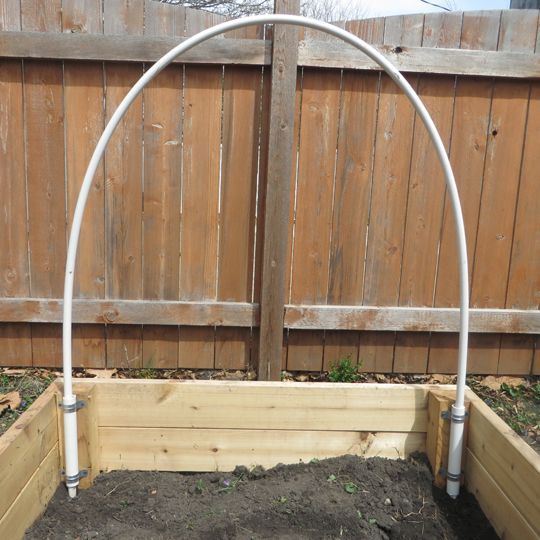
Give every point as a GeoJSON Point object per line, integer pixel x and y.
{"type": "Point", "coordinates": [346, 497]}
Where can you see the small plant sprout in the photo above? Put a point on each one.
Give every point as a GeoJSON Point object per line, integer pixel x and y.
{"type": "Point", "coordinates": [343, 371]}
{"type": "Point", "coordinates": [199, 486]}
{"type": "Point", "coordinates": [350, 487]}
{"type": "Point", "coordinates": [332, 479]}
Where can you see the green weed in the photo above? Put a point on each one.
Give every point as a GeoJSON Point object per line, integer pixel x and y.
{"type": "Point", "coordinates": [343, 371]}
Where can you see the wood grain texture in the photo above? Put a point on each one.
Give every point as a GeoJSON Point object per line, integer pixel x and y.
{"type": "Point", "coordinates": [511, 463]}
{"type": "Point", "coordinates": [123, 187]}
{"type": "Point", "coordinates": [319, 53]}
{"type": "Point", "coordinates": [241, 124]}
{"type": "Point", "coordinates": [200, 192]}
{"type": "Point", "coordinates": [256, 405]}
{"type": "Point", "coordinates": [313, 212]}
{"type": "Point", "coordinates": [44, 147]}
{"type": "Point", "coordinates": [14, 264]}
{"type": "Point", "coordinates": [84, 119]}
{"type": "Point", "coordinates": [25, 445]}
{"type": "Point", "coordinates": [281, 159]}
{"type": "Point", "coordinates": [351, 201]}
{"type": "Point", "coordinates": [499, 196]}
{"type": "Point", "coordinates": [32, 501]}
{"type": "Point", "coordinates": [523, 288]}
{"type": "Point", "coordinates": [221, 449]}
{"type": "Point", "coordinates": [244, 314]}
{"type": "Point", "coordinates": [162, 133]}
{"type": "Point", "coordinates": [426, 192]}
{"type": "Point", "coordinates": [393, 148]}
{"type": "Point", "coordinates": [478, 32]}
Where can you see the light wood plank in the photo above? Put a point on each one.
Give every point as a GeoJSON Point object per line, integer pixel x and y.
{"type": "Point", "coordinates": [248, 405]}
{"type": "Point", "coordinates": [223, 449]}
{"type": "Point", "coordinates": [511, 463]}
{"type": "Point", "coordinates": [498, 508]}
{"type": "Point", "coordinates": [24, 446]}
{"type": "Point", "coordinates": [32, 501]}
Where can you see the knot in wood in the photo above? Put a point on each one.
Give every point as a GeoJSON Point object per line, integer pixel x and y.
{"type": "Point", "coordinates": [110, 316]}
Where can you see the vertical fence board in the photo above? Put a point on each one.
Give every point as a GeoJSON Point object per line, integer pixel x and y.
{"type": "Point", "coordinates": [241, 123]}
{"type": "Point", "coordinates": [356, 139]}
{"type": "Point", "coordinates": [16, 339]}
{"type": "Point", "coordinates": [498, 201]}
{"type": "Point", "coordinates": [389, 197]}
{"type": "Point", "coordinates": [161, 194]}
{"type": "Point", "coordinates": [84, 119]}
{"type": "Point", "coordinates": [371, 356]}
{"type": "Point", "coordinates": [123, 185]}
{"type": "Point", "coordinates": [467, 154]}
{"type": "Point", "coordinates": [519, 30]}
{"type": "Point", "coordinates": [480, 31]}
{"type": "Point", "coordinates": [44, 145]}
{"type": "Point", "coordinates": [200, 174]}
{"type": "Point", "coordinates": [426, 196]}
{"type": "Point", "coordinates": [316, 165]}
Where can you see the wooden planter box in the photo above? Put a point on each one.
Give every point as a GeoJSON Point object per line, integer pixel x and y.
{"type": "Point", "coordinates": [216, 425]}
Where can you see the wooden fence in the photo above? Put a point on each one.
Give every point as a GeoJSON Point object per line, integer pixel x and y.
{"type": "Point", "coordinates": [169, 267]}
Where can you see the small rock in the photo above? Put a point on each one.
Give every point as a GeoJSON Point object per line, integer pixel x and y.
{"type": "Point", "coordinates": [387, 502]}
{"type": "Point", "coordinates": [89, 534]}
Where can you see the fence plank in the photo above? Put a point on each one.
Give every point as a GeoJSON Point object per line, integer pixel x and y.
{"type": "Point", "coordinates": [498, 200]}
{"type": "Point", "coordinates": [16, 339]}
{"type": "Point", "coordinates": [316, 163]}
{"type": "Point", "coordinates": [518, 33]}
{"type": "Point", "coordinates": [480, 31]}
{"type": "Point", "coordinates": [241, 123]}
{"type": "Point", "coordinates": [202, 136]}
{"type": "Point", "coordinates": [426, 196]}
{"type": "Point", "coordinates": [44, 144]}
{"type": "Point", "coordinates": [123, 179]}
{"type": "Point", "coordinates": [389, 197]}
{"type": "Point", "coordinates": [84, 119]}
{"type": "Point", "coordinates": [352, 192]}
{"type": "Point", "coordinates": [161, 195]}
{"type": "Point", "coordinates": [371, 356]}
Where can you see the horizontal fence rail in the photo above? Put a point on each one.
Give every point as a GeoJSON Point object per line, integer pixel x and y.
{"type": "Point", "coordinates": [315, 54]}
{"type": "Point", "coordinates": [239, 314]}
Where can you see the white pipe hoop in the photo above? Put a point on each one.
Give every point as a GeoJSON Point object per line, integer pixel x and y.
{"type": "Point", "coordinates": [458, 409]}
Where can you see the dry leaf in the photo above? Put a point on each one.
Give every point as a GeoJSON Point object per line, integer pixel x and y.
{"type": "Point", "coordinates": [440, 378]}
{"type": "Point", "coordinates": [494, 383]}
{"type": "Point", "coordinates": [10, 371]}
{"type": "Point", "coordinates": [11, 400]}
{"type": "Point", "coordinates": [102, 373]}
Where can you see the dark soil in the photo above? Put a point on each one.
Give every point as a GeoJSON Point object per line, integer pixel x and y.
{"type": "Point", "coordinates": [347, 497]}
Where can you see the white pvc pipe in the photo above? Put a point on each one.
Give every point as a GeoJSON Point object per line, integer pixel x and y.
{"type": "Point", "coordinates": [458, 410]}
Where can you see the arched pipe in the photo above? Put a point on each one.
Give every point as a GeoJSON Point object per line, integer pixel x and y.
{"type": "Point", "coordinates": [69, 400]}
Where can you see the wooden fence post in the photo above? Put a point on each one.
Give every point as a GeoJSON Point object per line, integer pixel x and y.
{"type": "Point", "coordinates": [280, 150]}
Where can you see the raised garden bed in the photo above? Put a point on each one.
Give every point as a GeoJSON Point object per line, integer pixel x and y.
{"type": "Point", "coordinates": [216, 425]}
